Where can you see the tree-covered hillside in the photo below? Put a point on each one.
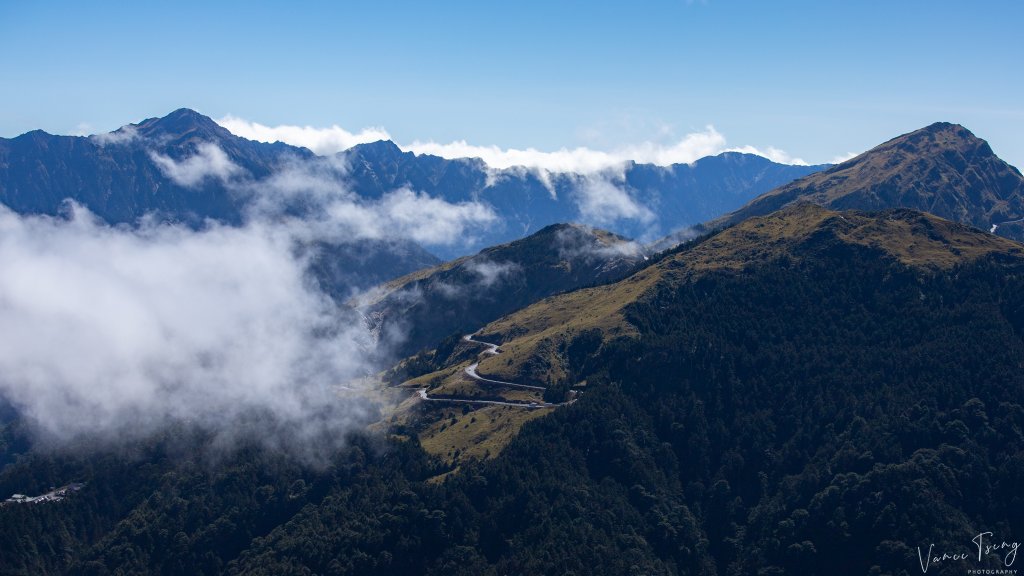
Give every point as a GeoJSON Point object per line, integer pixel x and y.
{"type": "Point", "coordinates": [825, 410]}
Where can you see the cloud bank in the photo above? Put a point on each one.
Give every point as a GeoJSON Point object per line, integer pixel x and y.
{"type": "Point", "coordinates": [110, 333]}
{"type": "Point", "coordinates": [321, 141]}
{"type": "Point", "coordinates": [581, 160]}
{"type": "Point", "coordinates": [114, 333]}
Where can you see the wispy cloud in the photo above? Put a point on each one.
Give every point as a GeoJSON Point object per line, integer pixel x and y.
{"type": "Point", "coordinates": [432, 220]}
{"type": "Point", "coordinates": [839, 159]}
{"type": "Point", "coordinates": [491, 273]}
{"type": "Point", "coordinates": [209, 161]}
{"type": "Point", "coordinates": [602, 200]}
{"type": "Point", "coordinates": [316, 191]}
{"type": "Point", "coordinates": [313, 195]}
{"type": "Point", "coordinates": [573, 245]}
{"type": "Point", "coordinates": [123, 135]}
{"type": "Point", "coordinates": [772, 153]}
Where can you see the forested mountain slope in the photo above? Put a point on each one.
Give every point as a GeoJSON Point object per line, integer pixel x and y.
{"type": "Point", "coordinates": [828, 393]}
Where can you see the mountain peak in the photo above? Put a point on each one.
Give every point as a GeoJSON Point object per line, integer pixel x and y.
{"type": "Point", "coordinates": [381, 149]}
{"type": "Point", "coordinates": [182, 123]}
{"type": "Point", "coordinates": [939, 137]}
{"type": "Point", "coordinates": [942, 169]}
{"type": "Point", "coordinates": [34, 135]}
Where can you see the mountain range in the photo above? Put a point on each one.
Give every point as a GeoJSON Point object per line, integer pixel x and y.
{"type": "Point", "coordinates": [127, 174]}
{"type": "Point", "coordinates": [826, 380]}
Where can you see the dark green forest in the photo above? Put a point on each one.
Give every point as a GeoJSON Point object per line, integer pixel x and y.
{"type": "Point", "coordinates": [827, 413]}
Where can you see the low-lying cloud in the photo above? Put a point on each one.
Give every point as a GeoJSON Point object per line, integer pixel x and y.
{"type": "Point", "coordinates": [315, 192]}
{"type": "Point", "coordinates": [572, 245]}
{"type": "Point", "coordinates": [490, 273]}
{"type": "Point", "coordinates": [122, 135]}
{"type": "Point", "coordinates": [112, 334]}
{"type": "Point", "coordinates": [603, 201]}
{"type": "Point", "coordinates": [209, 161]}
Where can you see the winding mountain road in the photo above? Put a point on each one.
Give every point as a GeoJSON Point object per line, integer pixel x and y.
{"type": "Point", "coordinates": [424, 396]}
{"type": "Point", "coordinates": [494, 350]}
{"type": "Point", "coordinates": [470, 371]}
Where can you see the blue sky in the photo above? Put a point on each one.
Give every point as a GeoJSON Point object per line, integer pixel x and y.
{"type": "Point", "coordinates": [815, 79]}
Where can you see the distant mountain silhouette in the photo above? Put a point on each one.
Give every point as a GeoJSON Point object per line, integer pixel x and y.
{"type": "Point", "coordinates": [116, 177]}
{"type": "Point", "coordinates": [679, 195]}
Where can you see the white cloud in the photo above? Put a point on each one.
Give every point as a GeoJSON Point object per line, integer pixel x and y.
{"type": "Point", "coordinates": [405, 214]}
{"type": "Point", "coordinates": [209, 161]}
{"type": "Point", "coordinates": [772, 153]}
{"type": "Point", "coordinates": [581, 160]}
{"type": "Point", "coordinates": [607, 247]}
{"type": "Point", "coordinates": [489, 272]}
{"type": "Point", "coordinates": [840, 158]}
{"type": "Point", "coordinates": [321, 141]}
{"type": "Point", "coordinates": [122, 135]}
{"type": "Point", "coordinates": [602, 201]}
{"type": "Point", "coordinates": [328, 210]}
{"type": "Point", "coordinates": [432, 220]}
{"type": "Point", "coordinates": [109, 333]}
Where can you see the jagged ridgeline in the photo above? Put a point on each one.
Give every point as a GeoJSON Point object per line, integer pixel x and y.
{"type": "Point", "coordinates": [115, 176]}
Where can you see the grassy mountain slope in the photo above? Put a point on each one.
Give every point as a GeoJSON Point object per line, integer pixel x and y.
{"type": "Point", "coordinates": [537, 339]}
{"type": "Point", "coordinates": [942, 169]}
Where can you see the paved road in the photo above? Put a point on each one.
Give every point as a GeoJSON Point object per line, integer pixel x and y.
{"type": "Point", "coordinates": [471, 372]}
{"type": "Point", "coordinates": [424, 396]}
{"type": "Point", "coordinates": [494, 350]}
{"type": "Point", "coordinates": [491, 348]}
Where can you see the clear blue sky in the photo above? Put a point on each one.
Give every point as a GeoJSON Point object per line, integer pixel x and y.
{"type": "Point", "coordinates": [816, 79]}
